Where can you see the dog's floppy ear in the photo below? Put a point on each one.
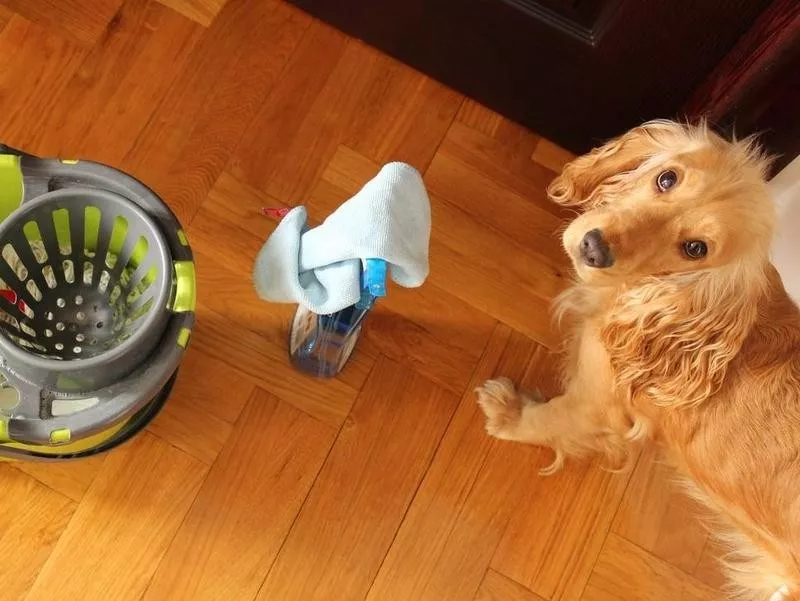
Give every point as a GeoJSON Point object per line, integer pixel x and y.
{"type": "Point", "coordinates": [671, 342]}
{"type": "Point", "coordinates": [582, 180]}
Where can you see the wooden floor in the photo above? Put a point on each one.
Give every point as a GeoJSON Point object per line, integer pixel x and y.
{"type": "Point", "coordinates": [256, 483]}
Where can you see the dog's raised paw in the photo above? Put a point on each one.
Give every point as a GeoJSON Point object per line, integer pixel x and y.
{"type": "Point", "coordinates": [502, 406]}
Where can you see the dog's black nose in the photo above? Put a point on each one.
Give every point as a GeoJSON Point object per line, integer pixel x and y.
{"type": "Point", "coordinates": [595, 251]}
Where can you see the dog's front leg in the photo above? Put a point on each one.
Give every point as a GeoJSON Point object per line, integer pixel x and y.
{"type": "Point", "coordinates": [586, 418]}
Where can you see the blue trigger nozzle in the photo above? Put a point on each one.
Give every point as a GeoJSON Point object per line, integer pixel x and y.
{"type": "Point", "coordinates": [375, 277]}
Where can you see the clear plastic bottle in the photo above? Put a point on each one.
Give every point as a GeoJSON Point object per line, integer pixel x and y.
{"type": "Point", "coordinates": [321, 345]}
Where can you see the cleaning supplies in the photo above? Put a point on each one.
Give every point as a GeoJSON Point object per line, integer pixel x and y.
{"type": "Point", "coordinates": [320, 268]}
{"type": "Point", "coordinates": [335, 272]}
{"type": "Point", "coordinates": [322, 344]}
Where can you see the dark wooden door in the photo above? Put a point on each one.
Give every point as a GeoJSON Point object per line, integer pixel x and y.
{"type": "Point", "coordinates": [756, 87]}
{"type": "Point", "coordinates": [576, 71]}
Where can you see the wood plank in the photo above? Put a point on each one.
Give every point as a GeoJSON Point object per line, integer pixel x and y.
{"type": "Point", "coordinates": [346, 173]}
{"type": "Point", "coordinates": [487, 270]}
{"type": "Point", "coordinates": [298, 129]}
{"type": "Point", "coordinates": [70, 478]}
{"type": "Point", "coordinates": [267, 364]}
{"type": "Point", "coordinates": [5, 16]}
{"type": "Point", "coordinates": [430, 331]}
{"type": "Point", "coordinates": [232, 212]}
{"type": "Point", "coordinates": [332, 92]}
{"type": "Point", "coordinates": [233, 295]}
{"type": "Point", "coordinates": [552, 547]}
{"type": "Point", "coordinates": [362, 493]}
{"type": "Point", "coordinates": [498, 208]}
{"type": "Point", "coordinates": [544, 371]}
{"type": "Point", "coordinates": [212, 386]}
{"type": "Point", "coordinates": [123, 525]}
{"type": "Point", "coordinates": [245, 508]}
{"type": "Point", "coordinates": [31, 87]}
{"type": "Point", "coordinates": [625, 572]}
{"type": "Point", "coordinates": [201, 11]}
{"type": "Point", "coordinates": [264, 152]}
{"type": "Point", "coordinates": [32, 517]}
{"type": "Point", "coordinates": [656, 515]}
{"type": "Point", "coordinates": [479, 118]}
{"type": "Point", "coordinates": [198, 434]}
{"type": "Point", "coordinates": [470, 492]}
{"type": "Point", "coordinates": [511, 136]}
{"type": "Point", "coordinates": [233, 68]}
{"type": "Point", "coordinates": [208, 398]}
{"type": "Point", "coordinates": [709, 570]}
{"type": "Point", "coordinates": [111, 98]}
{"type": "Point", "coordinates": [503, 150]}
{"type": "Point", "coordinates": [85, 21]}
{"type": "Point", "coordinates": [402, 116]}
{"type": "Point", "coordinates": [551, 156]}
{"type": "Point", "coordinates": [496, 587]}
{"type": "Point", "coordinates": [498, 165]}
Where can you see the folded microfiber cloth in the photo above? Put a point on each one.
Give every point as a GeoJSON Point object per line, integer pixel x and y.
{"type": "Point", "coordinates": [320, 268]}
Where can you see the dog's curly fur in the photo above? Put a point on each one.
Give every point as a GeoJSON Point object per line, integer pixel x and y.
{"type": "Point", "coordinates": [703, 355]}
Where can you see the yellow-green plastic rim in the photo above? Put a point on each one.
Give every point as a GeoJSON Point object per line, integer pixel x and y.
{"type": "Point", "coordinates": [78, 446]}
{"type": "Point", "coordinates": [183, 337]}
{"type": "Point", "coordinates": [185, 287]}
{"type": "Point", "coordinates": [11, 185]}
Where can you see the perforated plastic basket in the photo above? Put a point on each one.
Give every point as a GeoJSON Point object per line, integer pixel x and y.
{"type": "Point", "coordinates": [97, 297]}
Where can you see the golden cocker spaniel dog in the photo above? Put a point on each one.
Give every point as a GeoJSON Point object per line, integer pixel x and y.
{"type": "Point", "coordinates": [680, 330]}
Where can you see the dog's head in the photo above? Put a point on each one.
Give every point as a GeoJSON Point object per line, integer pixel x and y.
{"type": "Point", "coordinates": [679, 222]}
{"type": "Point", "coordinates": [663, 199]}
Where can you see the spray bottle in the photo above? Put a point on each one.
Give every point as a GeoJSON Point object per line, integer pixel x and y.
{"type": "Point", "coordinates": [321, 345]}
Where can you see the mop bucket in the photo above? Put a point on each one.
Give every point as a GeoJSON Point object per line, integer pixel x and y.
{"type": "Point", "coordinates": [97, 301]}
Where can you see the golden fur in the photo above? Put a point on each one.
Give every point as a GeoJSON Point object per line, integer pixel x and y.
{"type": "Point", "coordinates": [701, 354]}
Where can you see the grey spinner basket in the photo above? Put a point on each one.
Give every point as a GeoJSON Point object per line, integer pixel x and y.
{"type": "Point", "coordinates": [97, 303]}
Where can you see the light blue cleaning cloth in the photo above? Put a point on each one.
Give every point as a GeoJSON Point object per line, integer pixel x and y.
{"type": "Point", "coordinates": [320, 268]}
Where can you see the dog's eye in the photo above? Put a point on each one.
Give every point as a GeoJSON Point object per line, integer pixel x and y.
{"type": "Point", "coordinates": [695, 249]}
{"type": "Point", "coordinates": [666, 179]}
